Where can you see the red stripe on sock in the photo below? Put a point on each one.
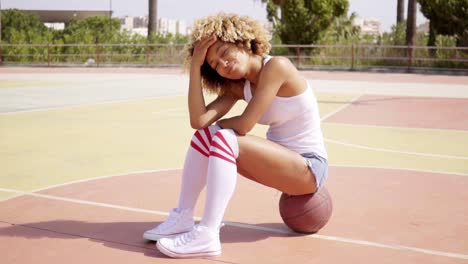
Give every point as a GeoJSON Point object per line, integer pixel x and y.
{"type": "Point", "coordinates": [197, 148]}
{"type": "Point", "coordinates": [208, 134]}
{"type": "Point", "coordinates": [216, 144]}
{"type": "Point", "coordinates": [220, 135]}
{"type": "Point", "coordinates": [215, 154]}
{"type": "Point", "coordinates": [200, 138]}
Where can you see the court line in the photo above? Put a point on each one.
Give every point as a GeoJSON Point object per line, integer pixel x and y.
{"type": "Point", "coordinates": [168, 111]}
{"type": "Point", "coordinates": [395, 151]}
{"type": "Point", "coordinates": [89, 104]}
{"type": "Point", "coordinates": [432, 155]}
{"type": "Point", "coordinates": [354, 99]}
{"type": "Point", "coordinates": [397, 127]}
{"type": "Point", "coordinates": [103, 177]}
{"type": "Point", "coordinates": [173, 169]}
{"type": "Point", "coordinates": [250, 226]}
{"type": "Point", "coordinates": [399, 168]}
{"type": "Point", "coordinates": [92, 179]}
{"type": "Point", "coordinates": [381, 149]}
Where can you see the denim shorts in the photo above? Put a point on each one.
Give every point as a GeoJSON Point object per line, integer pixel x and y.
{"type": "Point", "coordinates": [318, 166]}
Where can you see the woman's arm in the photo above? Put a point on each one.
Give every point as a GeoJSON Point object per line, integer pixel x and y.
{"type": "Point", "coordinates": [202, 116]}
{"type": "Point", "coordinates": [214, 111]}
{"type": "Point", "coordinates": [270, 81]}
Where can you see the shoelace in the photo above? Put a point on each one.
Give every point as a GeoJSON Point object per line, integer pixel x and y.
{"type": "Point", "coordinates": [186, 238]}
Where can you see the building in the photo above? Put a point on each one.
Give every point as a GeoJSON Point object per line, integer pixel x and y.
{"type": "Point", "coordinates": [126, 23]}
{"type": "Point", "coordinates": [140, 22]}
{"type": "Point", "coordinates": [65, 16]}
{"type": "Point", "coordinates": [369, 26]}
{"type": "Point", "coordinates": [424, 28]}
{"type": "Point", "coordinates": [139, 25]}
{"type": "Point", "coordinates": [172, 26]}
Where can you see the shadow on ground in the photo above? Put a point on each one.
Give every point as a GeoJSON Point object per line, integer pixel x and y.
{"type": "Point", "coordinates": [128, 235]}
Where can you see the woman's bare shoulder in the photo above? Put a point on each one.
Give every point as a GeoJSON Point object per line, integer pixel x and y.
{"type": "Point", "coordinates": [280, 67]}
{"type": "Point", "coordinates": [279, 63]}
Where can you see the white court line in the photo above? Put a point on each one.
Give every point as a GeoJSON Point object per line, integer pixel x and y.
{"type": "Point", "coordinates": [382, 149]}
{"type": "Point", "coordinates": [89, 104]}
{"type": "Point", "coordinates": [395, 151]}
{"type": "Point", "coordinates": [168, 111]}
{"type": "Point", "coordinates": [102, 177]}
{"type": "Point", "coordinates": [250, 226]}
{"type": "Point", "coordinates": [400, 168]}
{"type": "Point", "coordinates": [341, 108]}
{"type": "Point", "coordinates": [92, 179]}
{"type": "Point", "coordinates": [397, 127]}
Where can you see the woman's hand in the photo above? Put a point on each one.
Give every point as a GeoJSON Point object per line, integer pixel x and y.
{"type": "Point", "coordinates": [200, 49]}
{"type": "Point", "coordinates": [233, 123]}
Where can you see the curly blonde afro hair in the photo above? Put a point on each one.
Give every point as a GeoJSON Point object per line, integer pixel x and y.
{"type": "Point", "coordinates": [240, 30]}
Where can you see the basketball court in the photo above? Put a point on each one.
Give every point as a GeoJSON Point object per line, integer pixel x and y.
{"type": "Point", "coordinates": [91, 158]}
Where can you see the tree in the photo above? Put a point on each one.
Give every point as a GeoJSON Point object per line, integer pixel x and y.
{"type": "Point", "coordinates": [411, 22]}
{"type": "Point", "coordinates": [16, 22]}
{"type": "Point", "coordinates": [303, 21]}
{"type": "Point", "coordinates": [448, 17]}
{"type": "Point", "coordinates": [98, 28]}
{"type": "Point", "coordinates": [400, 11]}
{"type": "Point", "coordinates": [342, 31]}
{"type": "Point", "coordinates": [152, 16]}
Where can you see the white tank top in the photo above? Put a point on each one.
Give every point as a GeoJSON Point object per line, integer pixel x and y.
{"type": "Point", "coordinates": [294, 122]}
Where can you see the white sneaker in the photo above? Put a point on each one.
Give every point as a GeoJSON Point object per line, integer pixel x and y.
{"type": "Point", "coordinates": [200, 242]}
{"type": "Point", "coordinates": [178, 222]}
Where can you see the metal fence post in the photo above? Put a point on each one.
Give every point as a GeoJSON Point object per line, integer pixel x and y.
{"type": "Point", "coordinates": [410, 58]}
{"type": "Point", "coordinates": [298, 49]}
{"type": "Point", "coordinates": [352, 57]}
{"type": "Point", "coordinates": [147, 54]}
{"type": "Point", "coordinates": [48, 55]}
{"type": "Point", "coordinates": [97, 55]}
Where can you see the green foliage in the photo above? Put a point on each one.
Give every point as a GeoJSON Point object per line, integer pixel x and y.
{"type": "Point", "coordinates": [19, 27]}
{"type": "Point", "coordinates": [343, 31]}
{"type": "Point", "coordinates": [304, 21]}
{"type": "Point", "coordinates": [14, 21]}
{"type": "Point", "coordinates": [447, 17]}
{"type": "Point", "coordinates": [397, 35]}
{"type": "Point", "coordinates": [95, 36]}
{"type": "Point", "coordinates": [93, 30]}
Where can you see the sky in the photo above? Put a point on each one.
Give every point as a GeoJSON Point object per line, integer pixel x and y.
{"type": "Point", "coordinates": [188, 10]}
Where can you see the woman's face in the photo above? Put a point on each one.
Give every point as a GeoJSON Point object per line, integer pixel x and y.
{"type": "Point", "coordinates": [228, 60]}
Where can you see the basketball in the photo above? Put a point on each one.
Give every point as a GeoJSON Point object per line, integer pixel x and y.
{"type": "Point", "coordinates": [306, 213]}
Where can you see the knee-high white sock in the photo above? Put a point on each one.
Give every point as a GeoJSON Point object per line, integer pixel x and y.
{"type": "Point", "coordinates": [222, 177]}
{"type": "Point", "coordinates": [195, 167]}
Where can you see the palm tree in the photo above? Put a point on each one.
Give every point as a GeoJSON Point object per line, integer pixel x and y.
{"type": "Point", "coordinates": [152, 16]}
{"type": "Point", "coordinates": [411, 23]}
{"type": "Point", "coordinates": [400, 11]}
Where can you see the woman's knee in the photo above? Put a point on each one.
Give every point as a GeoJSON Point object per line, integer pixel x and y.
{"type": "Point", "coordinates": [226, 139]}
{"type": "Point", "coordinates": [205, 135]}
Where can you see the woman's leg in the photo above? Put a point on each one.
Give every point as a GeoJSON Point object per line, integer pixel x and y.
{"type": "Point", "coordinates": [180, 219]}
{"type": "Point", "coordinates": [275, 166]}
{"type": "Point", "coordinates": [195, 167]}
{"type": "Point", "coordinates": [222, 177]}
{"type": "Point", "coordinates": [203, 240]}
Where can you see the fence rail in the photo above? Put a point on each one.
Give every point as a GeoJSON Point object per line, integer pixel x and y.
{"type": "Point", "coordinates": [352, 57]}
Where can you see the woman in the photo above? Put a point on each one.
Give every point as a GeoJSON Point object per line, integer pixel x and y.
{"type": "Point", "coordinates": [228, 55]}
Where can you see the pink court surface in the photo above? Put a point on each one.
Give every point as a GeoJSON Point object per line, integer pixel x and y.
{"type": "Point", "coordinates": [91, 158]}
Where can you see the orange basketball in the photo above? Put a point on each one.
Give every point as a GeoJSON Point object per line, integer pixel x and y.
{"type": "Point", "coordinates": [306, 213]}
